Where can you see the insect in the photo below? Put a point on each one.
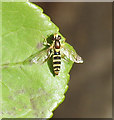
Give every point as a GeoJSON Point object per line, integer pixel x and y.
{"type": "Point", "coordinates": [57, 50]}
{"type": "Point", "coordinates": [57, 54]}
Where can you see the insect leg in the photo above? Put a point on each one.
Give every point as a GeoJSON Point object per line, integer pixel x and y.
{"type": "Point", "coordinates": [64, 57]}
{"type": "Point", "coordinates": [51, 47]}
{"type": "Point", "coordinates": [49, 54]}
{"type": "Point", "coordinates": [45, 41]}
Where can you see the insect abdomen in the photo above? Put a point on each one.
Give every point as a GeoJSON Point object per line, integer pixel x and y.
{"type": "Point", "coordinates": [56, 61]}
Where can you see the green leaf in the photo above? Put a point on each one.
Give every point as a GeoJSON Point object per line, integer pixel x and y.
{"type": "Point", "coordinates": [14, 0]}
{"type": "Point", "coordinates": [29, 90]}
{"type": "Point", "coordinates": [0, 57]}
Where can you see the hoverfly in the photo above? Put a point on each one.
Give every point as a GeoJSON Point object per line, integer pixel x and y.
{"type": "Point", "coordinates": [57, 50]}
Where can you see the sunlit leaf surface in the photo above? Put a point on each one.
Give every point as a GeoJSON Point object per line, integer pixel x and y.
{"type": "Point", "coordinates": [29, 90]}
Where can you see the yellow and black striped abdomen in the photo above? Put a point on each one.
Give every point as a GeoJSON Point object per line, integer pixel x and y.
{"type": "Point", "coordinates": [56, 61]}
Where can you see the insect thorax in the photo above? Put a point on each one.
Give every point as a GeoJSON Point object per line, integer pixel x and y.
{"type": "Point", "coordinates": [57, 44]}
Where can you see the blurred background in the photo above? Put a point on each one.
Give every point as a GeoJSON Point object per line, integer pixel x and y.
{"type": "Point", "coordinates": [88, 28]}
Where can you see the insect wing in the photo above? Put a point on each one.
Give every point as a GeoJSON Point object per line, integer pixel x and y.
{"type": "Point", "coordinates": [41, 57]}
{"type": "Point", "coordinates": [70, 53]}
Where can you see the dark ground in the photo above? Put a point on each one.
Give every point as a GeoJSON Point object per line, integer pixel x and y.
{"type": "Point", "coordinates": [88, 28]}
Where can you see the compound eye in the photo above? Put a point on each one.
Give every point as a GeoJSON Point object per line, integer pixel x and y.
{"type": "Point", "coordinates": [59, 37]}
{"type": "Point", "coordinates": [53, 38]}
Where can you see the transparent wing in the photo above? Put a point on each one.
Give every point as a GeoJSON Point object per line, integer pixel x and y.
{"type": "Point", "coordinates": [41, 57]}
{"type": "Point", "coordinates": [70, 53]}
